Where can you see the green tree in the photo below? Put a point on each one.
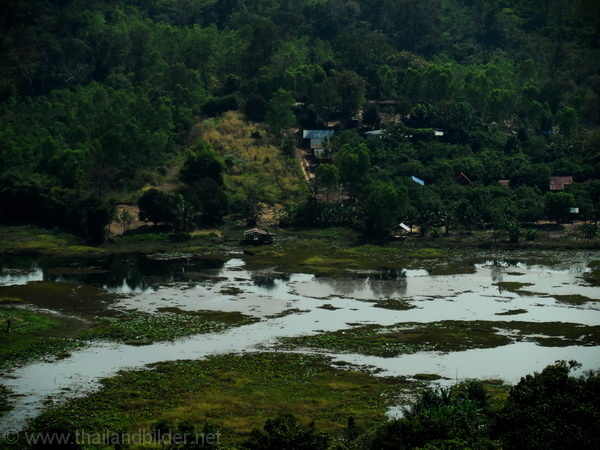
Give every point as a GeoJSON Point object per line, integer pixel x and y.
{"type": "Point", "coordinates": [551, 410]}
{"type": "Point", "coordinates": [280, 116]}
{"type": "Point", "coordinates": [202, 162]}
{"type": "Point", "coordinates": [327, 178]}
{"type": "Point", "coordinates": [156, 206]}
{"type": "Point", "coordinates": [557, 204]}
{"type": "Point", "coordinates": [353, 164]}
{"type": "Point", "coordinates": [447, 418]}
{"type": "Point", "coordinates": [284, 432]}
{"type": "Point", "coordinates": [567, 121]}
{"type": "Point", "coordinates": [382, 204]}
{"type": "Point", "coordinates": [125, 218]}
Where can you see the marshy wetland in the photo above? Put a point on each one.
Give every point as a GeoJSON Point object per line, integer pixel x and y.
{"type": "Point", "coordinates": [120, 341]}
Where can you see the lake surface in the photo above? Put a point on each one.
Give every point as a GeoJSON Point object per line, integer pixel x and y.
{"type": "Point", "coordinates": [292, 305]}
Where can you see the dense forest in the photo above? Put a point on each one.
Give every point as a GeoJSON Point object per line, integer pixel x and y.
{"type": "Point", "coordinates": [99, 98]}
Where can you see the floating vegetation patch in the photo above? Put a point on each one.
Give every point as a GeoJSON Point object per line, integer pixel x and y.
{"type": "Point", "coordinates": [427, 377]}
{"type": "Point", "coordinates": [512, 286]}
{"type": "Point", "coordinates": [328, 306]}
{"type": "Point", "coordinates": [512, 312]}
{"type": "Point", "coordinates": [137, 328]}
{"type": "Point", "coordinates": [363, 340]}
{"type": "Point", "coordinates": [287, 312]}
{"type": "Point", "coordinates": [231, 290]}
{"type": "Point", "coordinates": [398, 305]}
{"type": "Point", "coordinates": [455, 268]}
{"type": "Point", "coordinates": [445, 336]}
{"type": "Point", "coordinates": [574, 299]}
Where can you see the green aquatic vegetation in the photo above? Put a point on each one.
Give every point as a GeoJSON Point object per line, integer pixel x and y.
{"type": "Point", "coordinates": [27, 335]}
{"type": "Point", "coordinates": [137, 328]}
{"type": "Point", "coordinates": [427, 377]}
{"type": "Point", "coordinates": [512, 312]}
{"type": "Point", "coordinates": [231, 290]}
{"type": "Point", "coordinates": [236, 393]}
{"type": "Point", "coordinates": [555, 334]}
{"type": "Point", "coordinates": [287, 312]}
{"type": "Point", "coordinates": [574, 299]}
{"type": "Point", "coordinates": [428, 253]}
{"type": "Point", "coordinates": [444, 336]}
{"type": "Point", "coordinates": [398, 305]}
{"type": "Point", "coordinates": [512, 286]}
{"type": "Point", "coordinates": [4, 400]}
{"type": "Point", "coordinates": [363, 340]}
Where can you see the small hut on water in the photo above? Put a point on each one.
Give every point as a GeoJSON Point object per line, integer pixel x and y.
{"type": "Point", "coordinates": [256, 236]}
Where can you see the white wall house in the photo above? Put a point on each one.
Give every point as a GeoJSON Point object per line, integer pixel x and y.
{"type": "Point", "coordinates": [318, 139]}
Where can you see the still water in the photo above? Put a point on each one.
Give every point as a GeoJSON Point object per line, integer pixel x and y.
{"type": "Point", "coordinates": [292, 305]}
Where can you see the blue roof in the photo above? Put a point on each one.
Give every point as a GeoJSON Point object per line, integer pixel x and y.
{"type": "Point", "coordinates": [317, 134]}
{"type": "Point", "coordinates": [418, 180]}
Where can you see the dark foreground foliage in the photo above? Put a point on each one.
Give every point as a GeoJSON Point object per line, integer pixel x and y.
{"type": "Point", "coordinates": [546, 410]}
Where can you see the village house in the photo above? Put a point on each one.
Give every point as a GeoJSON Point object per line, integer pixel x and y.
{"type": "Point", "coordinates": [318, 139]}
{"type": "Point", "coordinates": [559, 183]}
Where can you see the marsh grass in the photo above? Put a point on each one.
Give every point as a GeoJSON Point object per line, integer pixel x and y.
{"type": "Point", "coordinates": [32, 335]}
{"type": "Point", "coordinates": [574, 299]}
{"type": "Point", "coordinates": [235, 393]}
{"type": "Point", "coordinates": [138, 328]}
{"type": "Point", "coordinates": [446, 336]}
{"type": "Point", "coordinates": [512, 312]}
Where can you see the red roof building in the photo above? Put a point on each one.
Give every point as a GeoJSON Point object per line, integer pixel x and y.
{"type": "Point", "coordinates": [559, 183]}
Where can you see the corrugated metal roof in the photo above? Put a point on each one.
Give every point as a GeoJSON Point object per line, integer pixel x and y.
{"type": "Point", "coordinates": [257, 231]}
{"type": "Point", "coordinates": [317, 134]}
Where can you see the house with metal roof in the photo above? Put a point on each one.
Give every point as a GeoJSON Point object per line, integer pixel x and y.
{"type": "Point", "coordinates": [374, 134]}
{"type": "Point", "coordinates": [317, 140]}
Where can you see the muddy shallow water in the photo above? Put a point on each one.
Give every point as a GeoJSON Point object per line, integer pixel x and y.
{"type": "Point", "coordinates": [292, 305]}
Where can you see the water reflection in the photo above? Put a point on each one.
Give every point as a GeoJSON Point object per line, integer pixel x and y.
{"type": "Point", "coordinates": [269, 281]}
{"type": "Point", "coordinates": [128, 273]}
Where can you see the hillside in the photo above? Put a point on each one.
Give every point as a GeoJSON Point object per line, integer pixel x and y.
{"type": "Point", "coordinates": [100, 99]}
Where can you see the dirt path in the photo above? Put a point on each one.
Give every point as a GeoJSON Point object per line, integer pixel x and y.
{"type": "Point", "coordinates": [304, 157]}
